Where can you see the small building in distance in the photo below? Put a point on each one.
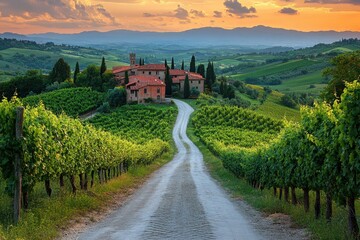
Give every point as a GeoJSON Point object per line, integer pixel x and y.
{"type": "Point", "coordinates": [141, 89]}
{"type": "Point", "coordinates": [144, 76]}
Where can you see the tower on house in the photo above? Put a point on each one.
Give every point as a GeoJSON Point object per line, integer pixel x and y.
{"type": "Point", "coordinates": [132, 59]}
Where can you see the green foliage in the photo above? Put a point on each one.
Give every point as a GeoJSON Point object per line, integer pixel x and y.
{"type": "Point", "coordinates": [76, 72]}
{"type": "Point", "coordinates": [192, 64]}
{"type": "Point", "coordinates": [72, 101]}
{"type": "Point", "coordinates": [182, 65]}
{"type": "Point", "coordinates": [168, 82]}
{"type": "Point", "coordinates": [33, 81]}
{"type": "Point", "coordinates": [201, 70]}
{"type": "Point", "coordinates": [59, 145]}
{"type": "Point", "coordinates": [91, 77]}
{"type": "Point", "coordinates": [345, 68]}
{"type": "Point", "coordinates": [60, 72]}
{"type": "Point", "coordinates": [288, 101]}
{"type": "Point", "coordinates": [186, 87]}
{"type": "Point", "coordinates": [138, 123]}
{"type": "Point", "coordinates": [116, 97]}
{"type": "Point", "coordinates": [103, 66]}
{"type": "Point", "coordinates": [172, 63]}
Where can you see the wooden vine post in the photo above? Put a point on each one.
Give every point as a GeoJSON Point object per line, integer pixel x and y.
{"type": "Point", "coordinates": [17, 164]}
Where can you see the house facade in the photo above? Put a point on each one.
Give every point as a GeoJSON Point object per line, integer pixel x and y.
{"type": "Point", "coordinates": [141, 89]}
{"type": "Point", "coordinates": [148, 81]}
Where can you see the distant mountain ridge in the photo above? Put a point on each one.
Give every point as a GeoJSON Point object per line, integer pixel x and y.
{"type": "Point", "coordinates": [207, 36]}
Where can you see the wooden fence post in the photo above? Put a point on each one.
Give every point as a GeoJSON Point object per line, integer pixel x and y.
{"type": "Point", "coordinates": [17, 164]}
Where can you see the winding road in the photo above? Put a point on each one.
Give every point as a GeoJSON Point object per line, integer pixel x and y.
{"type": "Point", "coordinates": [180, 201]}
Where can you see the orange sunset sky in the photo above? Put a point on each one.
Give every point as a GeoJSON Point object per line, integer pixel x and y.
{"type": "Point", "coordinates": [70, 16]}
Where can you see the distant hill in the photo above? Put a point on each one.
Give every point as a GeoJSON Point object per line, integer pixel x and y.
{"type": "Point", "coordinates": [255, 36]}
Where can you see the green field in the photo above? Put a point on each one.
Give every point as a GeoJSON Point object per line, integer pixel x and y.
{"type": "Point", "coordinates": [274, 68]}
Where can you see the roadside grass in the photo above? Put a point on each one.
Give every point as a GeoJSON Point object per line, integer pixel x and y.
{"type": "Point", "coordinates": [47, 217]}
{"type": "Point", "coordinates": [266, 202]}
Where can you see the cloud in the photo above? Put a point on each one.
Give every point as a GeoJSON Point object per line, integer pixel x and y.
{"type": "Point", "coordinates": [149, 15]}
{"type": "Point", "coordinates": [197, 13]}
{"type": "Point", "coordinates": [354, 2]}
{"type": "Point", "coordinates": [181, 13]}
{"type": "Point", "coordinates": [68, 11]}
{"type": "Point", "coordinates": [289, 11]}
{"type": "Point", "coordinates": [234, 7]}
{"type": "Point", "coordinates": [217, 14]}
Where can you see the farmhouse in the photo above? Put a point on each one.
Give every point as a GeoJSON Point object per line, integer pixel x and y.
{"type": "Point", "coordinates": [147, 81]}
{"type": "Point", "coordinates": [142, 88]}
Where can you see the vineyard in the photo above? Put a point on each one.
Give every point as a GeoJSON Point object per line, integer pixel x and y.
{"type": "Point", "coordinates": [138, 123]}
{"type": "Point", "coordinates": [56, 146]}
{"type": "Point", "coordinates": [319, 154]}
{"type": "Point", "coordinates": [72, 101]}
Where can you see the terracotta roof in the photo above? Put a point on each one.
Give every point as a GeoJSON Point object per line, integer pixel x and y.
{"type": "Point", "coordinates": [137, 82]}
{"type": "Point", "coordinates": [192, 77]}
{"type": "Point", "coordinates": [152, 67]}
{"type": "Point", "coordinates": [177, 72]}
{"type": "Point", "coordinates": [122, 69]}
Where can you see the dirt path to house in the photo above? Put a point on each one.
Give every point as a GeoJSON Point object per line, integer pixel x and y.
{"type": "Point", "coordinates": [181, 201]}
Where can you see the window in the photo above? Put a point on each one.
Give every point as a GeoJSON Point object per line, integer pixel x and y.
{"type": "Point", "coordinates": [157, 72]}
{"type": "Point", "coordinates": [158, 90]}
{"type": "Point", "coordinates": [199, 82]}
{"type": "Point", "coordinates": [145, 90]}
{"type": "Point", "coordinates": [159, 78]}
{"type": "Point", "coordinates": [191, 81]}
{"type": "Point", "coordinates": [135, 93]}
{"type": "Point", "coordinates": [197, 88]}
{"type": "Point", "coordinates": [143, 72]}
{"type": "Point", "coordinates": [149, 73]}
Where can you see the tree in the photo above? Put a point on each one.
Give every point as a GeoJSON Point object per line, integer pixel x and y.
{"type": "Point", "coordinates": [77, 71]}
{"type": "Point", "coordinates": [172, 63]}
{"type": "Point", "coordinates": [209, 80]}
{"type": "Point", "coordinates": [126, 77]}
{"type": "Point", "coordinates": [166, 63]}
{"type": "Point", "coordinates": [140, 62]}
{"type": "Point", "coordinates": [345, 68]}
{"type": "Point", "coordinates": [186, 87]}
{"type": "Point", "coordinates": [90, 77]}
{"type": "Point", "coordinates": [60, 72]}
{"type": "Point", "coordinates": [182, 65]}
{"type": "Point", "coordinates": [347, 113]}
{"type": "Point", "coordinates": [201, 70]}
{"type": "Point", "coordinates": [116, 97]}
{"type": "Point", "coordinates": [168, 82]}
{"type": "Point", "coordinates": [143, 62]}
{"type": "Point", "coordinates": [103, 67]}
{"type": "Point", "coordinates": [192, 64]}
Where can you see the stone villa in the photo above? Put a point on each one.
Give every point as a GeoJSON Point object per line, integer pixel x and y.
{"type": "Point", "coordinates": [148, 81]}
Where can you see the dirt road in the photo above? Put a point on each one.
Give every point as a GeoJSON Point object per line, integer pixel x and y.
{"type": "Point", "coordinates": [181, 201]}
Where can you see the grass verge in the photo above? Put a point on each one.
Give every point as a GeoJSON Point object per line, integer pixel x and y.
{"type": "Point", "coordinates": [47, 217]}
{"type": "Point", "coordinates": [266, 202]}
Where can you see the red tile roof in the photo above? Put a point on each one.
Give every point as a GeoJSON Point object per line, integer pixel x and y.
{"type": "Point", "coordinates": [137, 82]}
{"type": "Point", "coordinates": [192, 77]}
{"type": "Point", "coordinates": [177, 72]}
{"type": "Point", "coordinates": [122, 69]}
{"type": "Point", "coordinates": [152, 67]}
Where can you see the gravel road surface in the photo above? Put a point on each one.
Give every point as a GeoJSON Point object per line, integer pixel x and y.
{"type": "Point", "coordinates": [181, 201]}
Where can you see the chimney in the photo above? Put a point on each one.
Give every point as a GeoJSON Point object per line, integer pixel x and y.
{"type": "Point", "coordinates": [132, 59]}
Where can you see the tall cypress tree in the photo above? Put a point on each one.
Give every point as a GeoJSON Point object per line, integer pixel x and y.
{"type": "Point", "coordinates": [201, 70]}
{"type": "Point", "coordinates": [172, 63]}
{"type": "Point", "coordinates": [140, 62]}
{"type": "Point", "coordinates": [60, 72]}
{"type": "Point", "coordinates": [143, 62]}
{"type": "Point", "coordinates": [166, 63]}
{"type": "Point", "coordinates": [186, 87]}
{"type": "Point", "coordinates": [77, 71]}
{"type": "Point", "coordinates": [126, 77]}
{"type": "Point", "coordinates": [182, 65]}
{"type": "Point", "coordinates": [192, 64]}
{"type": "Point", "coordinates": [103, 67]}
{"type": "Point", "coordinates": [213, 73]}
{"type": "Point", "coordinates": [168, 82]}
{"type": "Point", "coordinates": [209, 77]}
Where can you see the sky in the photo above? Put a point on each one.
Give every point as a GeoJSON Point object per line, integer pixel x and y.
{"type": "Point", "coordinates": [72, 16]}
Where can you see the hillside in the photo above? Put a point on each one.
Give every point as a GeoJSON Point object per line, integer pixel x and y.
{"type": "Point", "coordinates": [18, 56]}
{"type": "Point", "coordinates": [207, 36]}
